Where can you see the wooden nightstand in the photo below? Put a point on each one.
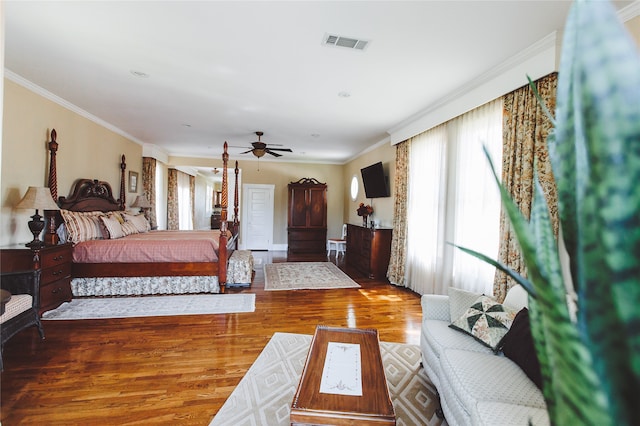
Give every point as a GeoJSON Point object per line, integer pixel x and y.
{"type": "Point", "coordinates": [55, 262]}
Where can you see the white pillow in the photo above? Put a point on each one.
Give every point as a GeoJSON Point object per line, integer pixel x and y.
{"type": "Point", "coordinates": [62, 233]}
{"type": "Point", "coordinates": [459, 301]}
{"type": "Point", "coordinates": [517, 297]}
{"type": "Point", "coordinates": [139, 221]}
{"type": "Point", "coordinates": [113, 226]}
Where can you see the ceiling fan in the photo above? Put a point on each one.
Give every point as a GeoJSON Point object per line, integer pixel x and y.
{"type": "Point", "coordinates": [260, 148]}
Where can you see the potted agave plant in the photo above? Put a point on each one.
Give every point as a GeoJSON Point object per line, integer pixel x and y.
{"type": "Point", "coordinates": [591, 361]}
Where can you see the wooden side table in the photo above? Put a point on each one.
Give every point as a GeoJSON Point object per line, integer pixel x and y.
{"type": "Point", "coordinates": [55, 263]}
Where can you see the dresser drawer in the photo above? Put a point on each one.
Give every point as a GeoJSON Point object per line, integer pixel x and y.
{"type": "Point", "coordinates": [55, 273]}
{"type": "Point", "coordinates": [53, 294]}
{"type": "Point", "coordinates": [307, 234]}
{"type": "Point", "coordinates": [363, 264]}
{"type": "Point", "coordinates": [55, 256]}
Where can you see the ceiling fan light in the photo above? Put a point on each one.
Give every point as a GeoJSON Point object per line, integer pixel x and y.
{"type": "Point", "coordinates": [258, 152]}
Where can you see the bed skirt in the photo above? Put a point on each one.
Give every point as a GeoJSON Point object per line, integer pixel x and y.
{"type": "Point", "coordinates": [137, 286]}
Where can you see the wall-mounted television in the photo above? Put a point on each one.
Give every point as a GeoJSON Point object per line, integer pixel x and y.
{"type": "Point", "coordinates": [375, 181]}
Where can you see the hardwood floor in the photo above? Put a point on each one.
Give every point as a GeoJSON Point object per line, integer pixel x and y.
{"type": "Point", "coordinates": [181, 369]}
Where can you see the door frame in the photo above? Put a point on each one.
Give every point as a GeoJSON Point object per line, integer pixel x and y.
{"type": "Point", "coordinates": [246, 204]}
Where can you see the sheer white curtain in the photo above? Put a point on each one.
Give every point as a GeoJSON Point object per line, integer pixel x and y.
{"type": "Point", "coordinates": [426, 208]}
{"type": "Point", "coordinates": [161, 196]}
{"type": "Point", "coordinates": [452, 198]}
{"type": "Point", "coordinates": [475, 198]}
{"type": "Point", "coordinates": [184, 202]}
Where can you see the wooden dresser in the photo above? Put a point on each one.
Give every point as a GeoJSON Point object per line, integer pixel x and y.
{"type": "Point", "coordinates": [368, 250]}
{"type": "Point", "coordinates": [307, 217]}
{"type": "Point", "coordinates": [55, 262]}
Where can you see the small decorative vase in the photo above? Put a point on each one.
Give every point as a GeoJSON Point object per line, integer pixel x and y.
{"type": "Point", "coordinates": [364, 220]}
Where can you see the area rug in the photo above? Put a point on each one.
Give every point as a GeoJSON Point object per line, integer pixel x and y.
{"type": "Point", "coordinates": [265, 393]}
{"type": "Point", "coordinates": [305, 275]}
{"type": "Point", "coordinates": [152, 306]}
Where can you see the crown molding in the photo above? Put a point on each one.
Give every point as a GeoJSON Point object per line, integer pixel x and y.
{"type": "Point", "coordinates": [548, 42]}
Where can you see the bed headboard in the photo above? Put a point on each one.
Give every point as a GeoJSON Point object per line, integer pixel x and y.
{"type": "Point", "coordinates": [90, 195]}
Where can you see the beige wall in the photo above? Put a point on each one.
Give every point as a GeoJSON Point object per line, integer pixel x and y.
{"type": "Point", "coordinates": [382, 207]}
{"type": "Point", "coordinates": [281, 174]}
{"type": "Point", "coordinates": [87, 150]}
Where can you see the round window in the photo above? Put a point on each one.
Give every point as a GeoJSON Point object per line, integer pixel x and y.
{"type": "Point", "coordinates": [354, 188]}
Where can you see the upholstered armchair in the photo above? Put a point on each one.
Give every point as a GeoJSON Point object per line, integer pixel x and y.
{"type": "Point", "coordinates": [21, 310]}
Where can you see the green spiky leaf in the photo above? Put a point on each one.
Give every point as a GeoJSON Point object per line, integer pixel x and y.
{"type": "Point", "coordinates": [595, 155]}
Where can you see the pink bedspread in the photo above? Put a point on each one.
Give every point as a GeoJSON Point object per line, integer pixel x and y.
{"type": "Point", "coordinates": [151, 247]}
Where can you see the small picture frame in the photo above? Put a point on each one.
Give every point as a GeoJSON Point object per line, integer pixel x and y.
{"type": "Point", "coordinates": [133, 181]}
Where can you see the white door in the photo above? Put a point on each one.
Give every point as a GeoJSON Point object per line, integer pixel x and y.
{"type": "Point", "coordinates": [257, 216]}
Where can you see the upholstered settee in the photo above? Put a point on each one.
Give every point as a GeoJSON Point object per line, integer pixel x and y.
{"type": "Point", "coordinates": [478, 384]}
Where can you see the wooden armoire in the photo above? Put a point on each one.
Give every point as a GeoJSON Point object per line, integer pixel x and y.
{"type": "Point", "coordinates": [307, 217]}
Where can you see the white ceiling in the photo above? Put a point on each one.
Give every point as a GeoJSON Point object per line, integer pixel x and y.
{"type": "Point", "coordinates": [219, 71]}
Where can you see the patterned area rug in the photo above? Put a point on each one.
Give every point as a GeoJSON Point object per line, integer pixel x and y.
{"type": "Point", "coordinates": [152, 306]}
{"type": "Point", "coordinates": [265, 393]}
{"type": "Point", "coordinates": [305, 275]}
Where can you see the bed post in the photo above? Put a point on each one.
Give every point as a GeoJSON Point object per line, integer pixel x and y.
{"type": "Point", "coordinates": [222, 246]}
{"type": "Point", "coordinates": [235, 207]}
{"type": "Point", "coordinates": [50, 236]}
{"type": "Point", "coordinates": [122, 199]}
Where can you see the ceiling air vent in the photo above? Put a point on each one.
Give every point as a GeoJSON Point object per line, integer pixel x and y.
{"type": "Point", "coordinates": [349, 42]}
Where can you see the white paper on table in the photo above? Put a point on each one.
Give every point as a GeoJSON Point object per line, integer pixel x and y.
{"type": "Point", "coordinates": [342, 373]}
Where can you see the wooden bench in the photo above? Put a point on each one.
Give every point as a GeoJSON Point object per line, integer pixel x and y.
{"type": "Point", "coordinates": [240, 269]}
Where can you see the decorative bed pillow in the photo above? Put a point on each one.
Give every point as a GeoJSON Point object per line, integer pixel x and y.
{"type": "Point", "coordinates": [486, 320]}
{"type": "Point", "coordinates": [129, 228]}
{"type": "Point", "coordinates": [518, 346]}
{"type": "Point", "coordinates": [459, 301]}
{"type": "Point", "coordinates": [82, 226]}
{"type": "Point", "coordinates": [139, 221]}
{"type": "Point", "coordinates": [113, 226]}
{"type": "Point", "coordinates": [115, 215]}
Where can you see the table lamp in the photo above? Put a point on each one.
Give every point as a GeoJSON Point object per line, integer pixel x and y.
{"type": "Point", "coordinates": [142, 203]}
{"type": "Point", "coordinates": [38, 198]}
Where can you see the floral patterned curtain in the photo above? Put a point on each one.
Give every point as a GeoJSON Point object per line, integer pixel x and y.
{"type": "Point", "coordinates": [149, 186]}
{"type": "Point", "coordinates": [525, 130]}
{"type": "Point", "coordinates": [172, 200]}
{"type": "Point", "coordinates": [396, 271]}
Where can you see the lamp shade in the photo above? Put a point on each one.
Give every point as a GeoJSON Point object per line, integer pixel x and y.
{"type": "Point", "coordinates": [38, 198]}
{"type": "Point", "coordinates": [142, 202]}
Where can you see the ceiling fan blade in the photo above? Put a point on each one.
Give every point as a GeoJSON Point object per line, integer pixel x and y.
{"type": "Point", "coordinates": [273, 153]}
{"type": "Point", "coordinates": [280, 149]}
{"type": "Point", "coordinates": [246, 152]}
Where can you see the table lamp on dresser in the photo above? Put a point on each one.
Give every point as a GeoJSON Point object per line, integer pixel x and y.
{"type": "Point", "coordinates": [38, 198]}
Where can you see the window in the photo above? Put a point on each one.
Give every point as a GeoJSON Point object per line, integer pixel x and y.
{"type": "Point", "coordinates": [453, 199]}
{"type": "Point", "coordinates": [161, 196]}
{"type": "Point", "coordinates": [184, 202]}
{"type": "Point", "coordinates": [354, 188]}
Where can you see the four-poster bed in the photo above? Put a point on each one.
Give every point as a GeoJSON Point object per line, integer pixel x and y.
{"type": "Point", "coordinates": [143, 262]}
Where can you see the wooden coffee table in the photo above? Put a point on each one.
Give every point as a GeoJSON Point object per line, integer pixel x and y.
{"type": "Point", "coordinates": [373, 407]}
